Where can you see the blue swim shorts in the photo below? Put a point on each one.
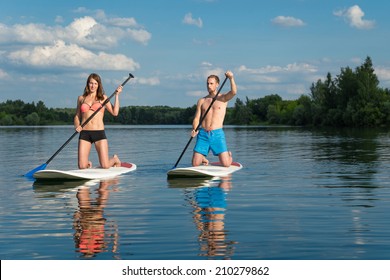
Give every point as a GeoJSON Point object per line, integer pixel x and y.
{"type": "Point", "coordinates": [213, 140]}
{"type": "Point", "coordinates": [211, 197]}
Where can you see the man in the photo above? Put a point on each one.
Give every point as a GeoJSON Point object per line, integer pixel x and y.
{"type": "Point", "coordinates": [211, 135]}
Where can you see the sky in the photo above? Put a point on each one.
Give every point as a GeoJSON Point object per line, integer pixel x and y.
{"type": "Point", "coordinates": [48, 48]}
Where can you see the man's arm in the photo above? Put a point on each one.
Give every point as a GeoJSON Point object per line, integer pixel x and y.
{"type": "Point", "coordinates": [196, 120]}
{"type": "Point", "coordinates": [233, 88]}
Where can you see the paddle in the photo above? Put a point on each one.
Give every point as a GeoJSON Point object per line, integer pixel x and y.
{"type": "Point", "coordinates": [43, 166]}
{"type": "Point", "coordinates": [200, 123]}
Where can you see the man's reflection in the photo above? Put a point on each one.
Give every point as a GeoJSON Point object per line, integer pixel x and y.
{"type": "Point", "coordinates": [89, 223]}
{"type": "Point", "coordinates": [209, 206]}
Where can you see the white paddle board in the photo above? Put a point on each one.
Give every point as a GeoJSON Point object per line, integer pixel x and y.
{"type": "Point", "coordinates": [85, 174]}
{"type": "Point", "coordinates": [214, 169]}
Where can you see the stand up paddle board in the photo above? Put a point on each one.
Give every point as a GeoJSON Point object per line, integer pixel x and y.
{"type": "Point", "coordinates": [85, 174]}
{"type": "Point", "coordinates": [214, 169]}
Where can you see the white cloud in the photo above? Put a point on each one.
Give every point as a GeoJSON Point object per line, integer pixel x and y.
{"type": "Point", "coordinates": [29, 33]}
{"type": "Point", "coordinates": [197, 93]}
{"type": "Point", "coordinates": [87, 31]}
{"type": "Point", "coordinates": [292, 79]}
{"type": "Point", "coordinates": [84, 31]}
{"type": "Point", "coordinates": [208, 69]}
{"type": "Point", "coordinates": [81, 28]}
{"type": "Point", "coordinates": [354, 16]}
{"type": "Point", "coordinates": [153, 81]}
{"type": "Point", "coordinates": [81, 10]}
{"type": "Point", "coordinates": [287, 21]}
{"type": "Point", "coordinates": [214, 71]}
{"type": "Point", "coordinates": [383, 74]}
{"type": "Point", "coordinates": [289, 68]}
{"type": "Point", "coordinates": [140, 35]}
{"type": "Point", "coordinates": [3, 75]}
{"type": "Point", "coordinates": [80, 44]}
{"type": "Point", "coordinates": [300, 67]}
{"type": "Point", "coordinates": [71, 55]}
{"type": "Point", "coordinates": [188, 19]}
{"type": "Point", "coordinates": [356, 60]}
{"type": "Point", "coordinates": [206, 64]}
{"type": "Point", "coordinates": [260, 75]}
{"type": "Point", "coordinates": [123, 22]}
{"type": "Point", "coordinates": [59, 19]}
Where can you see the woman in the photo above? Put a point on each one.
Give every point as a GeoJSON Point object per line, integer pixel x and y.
{"type": "Point", "coordinates": [93, 132]}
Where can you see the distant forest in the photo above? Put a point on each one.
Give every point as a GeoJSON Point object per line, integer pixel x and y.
{"type": "Point", "coordinates": [351, 99]}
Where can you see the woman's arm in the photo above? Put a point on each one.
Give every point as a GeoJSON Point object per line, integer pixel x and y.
{"type": "Point", "coordinates": [77, 116]}
{"type": "Point", "coordinates": [114, 110]}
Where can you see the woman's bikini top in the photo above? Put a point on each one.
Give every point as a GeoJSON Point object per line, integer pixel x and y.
{"type": "Point", "coordinates": [86, 107]}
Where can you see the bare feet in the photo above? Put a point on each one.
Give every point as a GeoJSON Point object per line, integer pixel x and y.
{"type": "Point", "coordinates": [117, 162]}
{"type": "Point", "coordinates": [205, 161]}
{"type": "Point", "coordinates": [89, 164]}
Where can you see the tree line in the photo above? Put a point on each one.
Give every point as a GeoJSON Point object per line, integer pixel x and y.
{"type": "Point", "coordinates": [351, 99]}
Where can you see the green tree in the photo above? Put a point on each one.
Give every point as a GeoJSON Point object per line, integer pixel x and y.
{"type": "Point", "coordinates": [32, 119]}
{"type": "Point", "coordinates": [241, 113]}
{"type": "Point", "coordinates": [259, 107]}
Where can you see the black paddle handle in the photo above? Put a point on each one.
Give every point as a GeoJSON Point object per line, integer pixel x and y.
{"type": "Point", "coordinates": [87, 120]}
{"type": "Point", "coordinates": [200, 122]}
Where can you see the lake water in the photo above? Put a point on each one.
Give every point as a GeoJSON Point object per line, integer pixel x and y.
{"type": "Point", "coordinates": [302, 194]}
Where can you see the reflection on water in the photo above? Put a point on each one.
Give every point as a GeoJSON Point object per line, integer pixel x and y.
{"type": "Point", "coordinates": [208, 201]}
{"type": "Point", "coordinates": [350, 155]}
{"type": "Point", "coordinates": [46, 189]}
{"type": "Point", "coordinates": [303, 194]}
{"type": "Point", "coordinates": [90, 224]}
{"type": "Point", "coordinates": [351, 162]}
{"type": "Point", "coordinates": [91, 235]}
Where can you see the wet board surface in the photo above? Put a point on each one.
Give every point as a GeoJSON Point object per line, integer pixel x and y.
{"type": "Point", "coordinates": [214, 169]}
{"type": "Point", "coordinates": [87, 174]}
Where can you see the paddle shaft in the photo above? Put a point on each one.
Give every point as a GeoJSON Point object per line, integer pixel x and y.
{"type": "Point", "coordinates": [200, 122]}
{"type": "Point", "coordinates": [87, 120]}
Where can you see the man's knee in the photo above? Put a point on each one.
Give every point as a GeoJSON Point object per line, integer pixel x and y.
{"type": "Point", "coordinates": [226, 159]}
{"type": "Point", "coordinates": [197, 159]}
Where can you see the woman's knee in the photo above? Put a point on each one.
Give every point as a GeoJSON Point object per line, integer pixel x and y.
{"type": "Point", "coordinates": [83, 165]}
{"type": "Point", "coordinates": [105, 165]}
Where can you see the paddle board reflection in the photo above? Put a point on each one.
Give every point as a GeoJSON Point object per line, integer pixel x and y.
{"type": "Point", "coordinates": [90, 224]}
{"type": "Point", "coordinates": [208, 201]}
{"type": "Point", "coordinates": [51, 189]}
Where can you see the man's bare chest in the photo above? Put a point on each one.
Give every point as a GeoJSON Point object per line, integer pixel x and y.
{"type": "Point", "coordinates": [216, 106]}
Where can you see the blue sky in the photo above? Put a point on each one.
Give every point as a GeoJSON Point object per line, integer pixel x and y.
{"type": "Point", "coordinates": [48, 48]}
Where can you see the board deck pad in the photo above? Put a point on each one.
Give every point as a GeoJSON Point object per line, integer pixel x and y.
{"type": "Point", "coordinates": [214, 169]}
{"type": "Point", "coordinates": [87, 174]}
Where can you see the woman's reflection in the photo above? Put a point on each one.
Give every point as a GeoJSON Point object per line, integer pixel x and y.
{"type": "Point", "coordinates": [89, 222]}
